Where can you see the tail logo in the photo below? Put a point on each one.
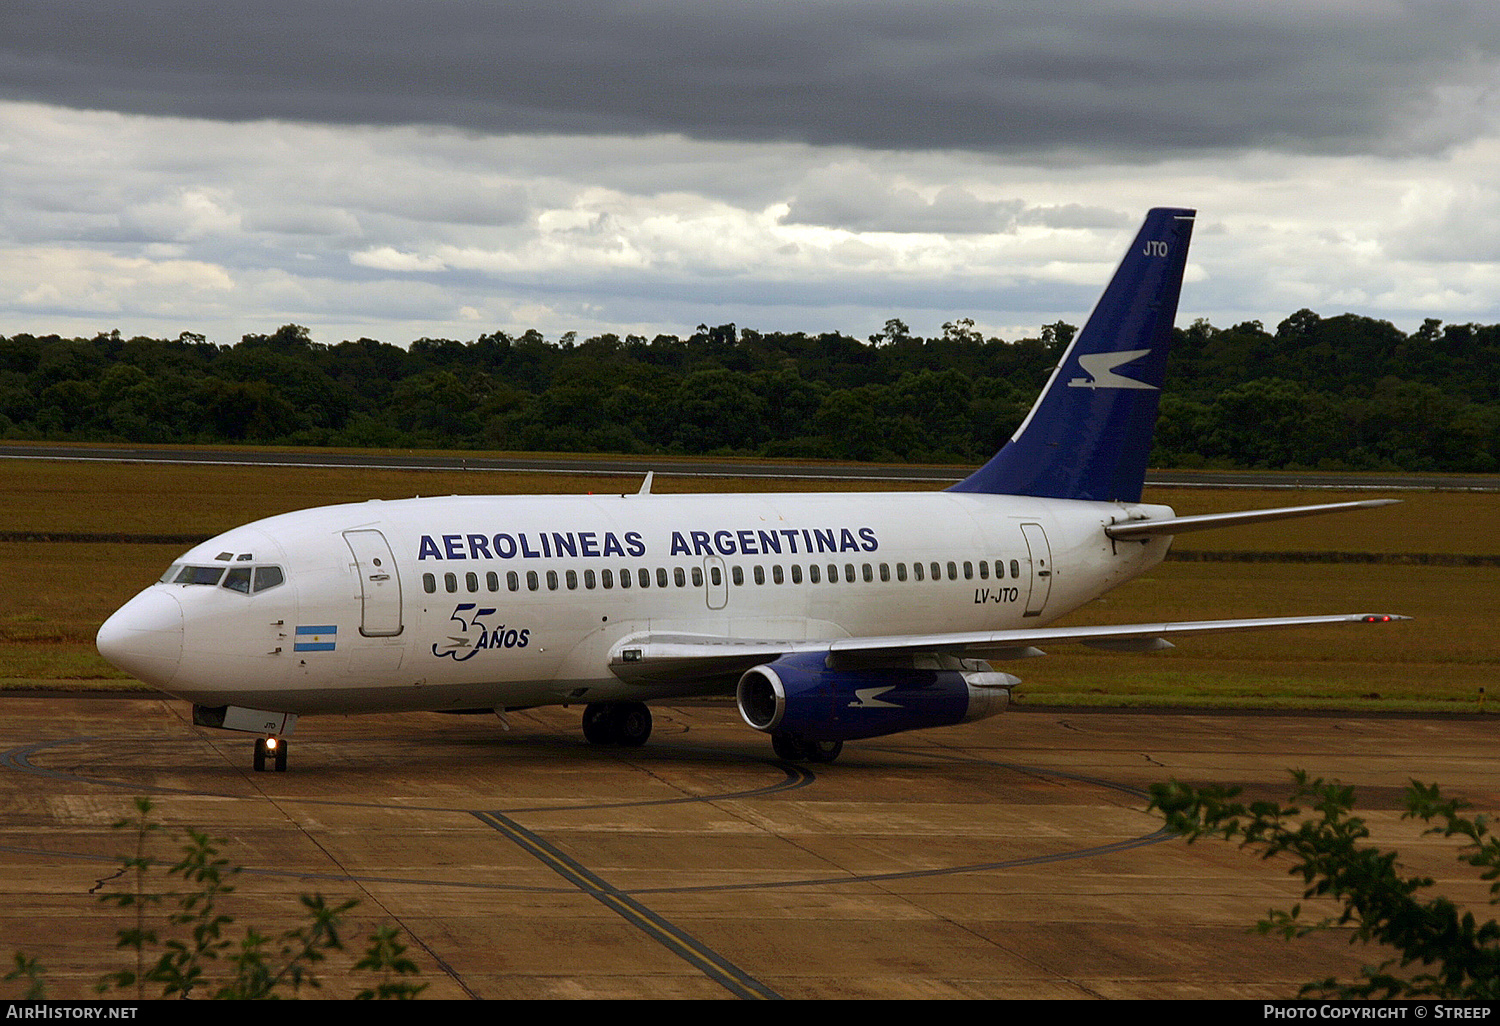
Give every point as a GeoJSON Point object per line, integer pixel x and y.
{"type": "Point", "coordinates": [1100, 368]}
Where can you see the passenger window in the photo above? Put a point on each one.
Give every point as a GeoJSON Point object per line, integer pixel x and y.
{"type": "Point", "coordinates": [1015, 568]}
{"type": "Point", "coordinates": [833, 573]}
{"type": "Point", "coordinates": [812, 574]}
{"type": "Point", "coordinates": [644, 577]}
{"type": "Point", "coordinates": [513, 580]}
{"type": "Point", "coordinates": [551, 580]}
{"type": "Point", "coordinates": [849, 572]}
{"type": "Point", "coordinates": [238, 579]}
{"type": "Point", "coordinates": [737, 574]}
{"type": "Point", "coordinates": [776, 574]}
{"type": "Point", "coordinates": [968, 570]}
{"type": "Point", "coordinates": [267, 577]}
{"type": "Point", "coordinates": [492, 581]}
{"type": "Point", "coordinates": [984, 570]}
{"type": "Point", "coordinates": [796, 573]}
{"type": "Point", "coordinates": [679, 577]}
{"type": "Point", "coordinates": [869, 573]}
{"type": "Point", "coordinates": [901, 572]}
{"type": "Point", "coordinates": [450, 582]}
{"type": "Point", "coordinates": [697, 577]}
{"type": "Point", "coordinates": [760, 574]}
{"type": "Point", "coordinates": [716, 575]}
{"type": "Point", "coordinates": [952, 571]}
{"type": "Point", "coordinates": [471, 581]}
{"type": "Point", "coordinates": [661, 577]}
{"type": "Point", "coordinates": [532, 583]}
{"type": "Point", "coordinates": [588, 579]}
{"type": "Point", "coordinates": [429, 584]}
{"type": "Point", "coordinates": [607, 578]}
{"type": "Point", "coordinates": [937, 571]}
{"type": "Point", "coordinates": [916, 570]}
{"type": "Point", "coordinates": [572, 580]}
{"type": "Point", "coordinates": [624, 578]}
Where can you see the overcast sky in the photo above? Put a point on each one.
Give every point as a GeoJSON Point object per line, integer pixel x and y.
{"type": "Point", "coordinates": [446, 168]}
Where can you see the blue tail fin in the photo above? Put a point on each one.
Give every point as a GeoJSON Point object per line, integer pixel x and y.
{"type": "Point", "coordinates": [1089, 434]}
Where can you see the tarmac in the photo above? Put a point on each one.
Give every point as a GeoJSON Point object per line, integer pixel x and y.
{"type": "Point", "coordinates": [1011, 858]}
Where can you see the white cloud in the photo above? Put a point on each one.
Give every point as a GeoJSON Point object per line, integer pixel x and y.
{"type": "Point", "coordinates": [387, 258]}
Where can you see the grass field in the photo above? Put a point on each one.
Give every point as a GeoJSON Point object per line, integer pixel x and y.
{"type": "Point", "coordinates": [53, 595]}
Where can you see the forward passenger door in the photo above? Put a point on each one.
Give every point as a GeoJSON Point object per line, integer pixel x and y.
{"type": "Point", "coordinates": [379, 583]}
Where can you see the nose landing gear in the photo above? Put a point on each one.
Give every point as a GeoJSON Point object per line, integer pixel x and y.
{"type": "Point", "coordinates": [272, 749]}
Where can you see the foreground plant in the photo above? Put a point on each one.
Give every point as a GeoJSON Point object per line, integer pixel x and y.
{"type": "Point", "coordinates": [1460, 957]}
{"type": "Point", "coordinates": [258, 966]}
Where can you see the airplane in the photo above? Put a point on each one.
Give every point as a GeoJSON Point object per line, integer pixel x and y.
{"type": "Point", "coordinates": [830, 617]}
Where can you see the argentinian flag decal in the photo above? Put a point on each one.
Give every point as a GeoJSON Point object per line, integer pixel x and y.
{"type": "Point", "coordinates": [316, 639]}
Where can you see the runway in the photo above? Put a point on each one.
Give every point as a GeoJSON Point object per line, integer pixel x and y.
{"type": "Point", "coordinates": [1011, 858]}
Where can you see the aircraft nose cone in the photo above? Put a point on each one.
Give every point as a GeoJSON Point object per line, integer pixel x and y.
{"type": "Point", "coordinates": [144, 637]}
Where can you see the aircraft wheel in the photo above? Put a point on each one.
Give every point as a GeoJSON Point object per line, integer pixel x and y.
{"type": "Point", "coordinates": [788, 747]}
{"type": "Point", "coordinates": [823, 751]}
{"type": "Point", "coordinates": [632, 723]}
{"type": "Point", "coordinates": [598, 726]}
{"type": "Point", "coordinates": [281, 749]}
{"type": "Point", "coordinates": [259, 761]}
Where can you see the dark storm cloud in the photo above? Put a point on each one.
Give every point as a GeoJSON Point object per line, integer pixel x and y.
{"type": "Point", "coordinates": [1116, 77]}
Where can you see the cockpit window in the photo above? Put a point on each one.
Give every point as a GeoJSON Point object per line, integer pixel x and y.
{"type": "Point", "coordinates": [265, 577]}
{"type": "Point", "coordinates": [199, 575]}
{"type": "Point", "coordinates": [242, 579]}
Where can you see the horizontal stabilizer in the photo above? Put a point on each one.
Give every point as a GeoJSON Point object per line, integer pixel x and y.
{"type": "Point", "coordinates": [1183, 525]}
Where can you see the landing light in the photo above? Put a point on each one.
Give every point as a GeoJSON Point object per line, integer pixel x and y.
{"type": "Point", "coordinates": [271, 744]}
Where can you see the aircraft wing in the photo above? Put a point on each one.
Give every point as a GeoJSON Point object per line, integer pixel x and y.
{"type": "Point", "coordinates": [665, 658]}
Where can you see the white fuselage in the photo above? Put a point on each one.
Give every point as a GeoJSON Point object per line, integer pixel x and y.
{"type": "Point", "coordinates": [493, 602]}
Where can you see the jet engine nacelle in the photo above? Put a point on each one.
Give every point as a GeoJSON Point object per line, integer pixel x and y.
{"type": "Point", "coordinates": [802, 696]}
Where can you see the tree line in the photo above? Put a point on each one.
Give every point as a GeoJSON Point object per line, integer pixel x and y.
{"type": "Point", "coordinates": [1338, 393]}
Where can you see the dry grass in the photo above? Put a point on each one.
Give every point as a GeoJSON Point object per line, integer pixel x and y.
{"type": "Point", "coordinates": [156, 498]}
{"type": "Point", "coordinates": [1441, 659]}
{"type": "Point", "coordinates": [1466, 523]}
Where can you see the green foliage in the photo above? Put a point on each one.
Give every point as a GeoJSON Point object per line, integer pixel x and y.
{"type": "Point", "coordinates": [387, 956]}
{"type": "Point", "coordinates": [257, 967]}
{"type": "Point", "coordinates": [1460, 958]}
{"type": "Point", "coordinates": [1343, 392]}
{"type": "Point", "coordinates": [27, 969]}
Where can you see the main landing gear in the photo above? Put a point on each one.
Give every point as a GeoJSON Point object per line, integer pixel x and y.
{"type": "Point", "coordinates": [795, 749]}
{"type": "Point", "coordinates": [617, 723]}
{"type": "Point", "coordinates": [272, 749]}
